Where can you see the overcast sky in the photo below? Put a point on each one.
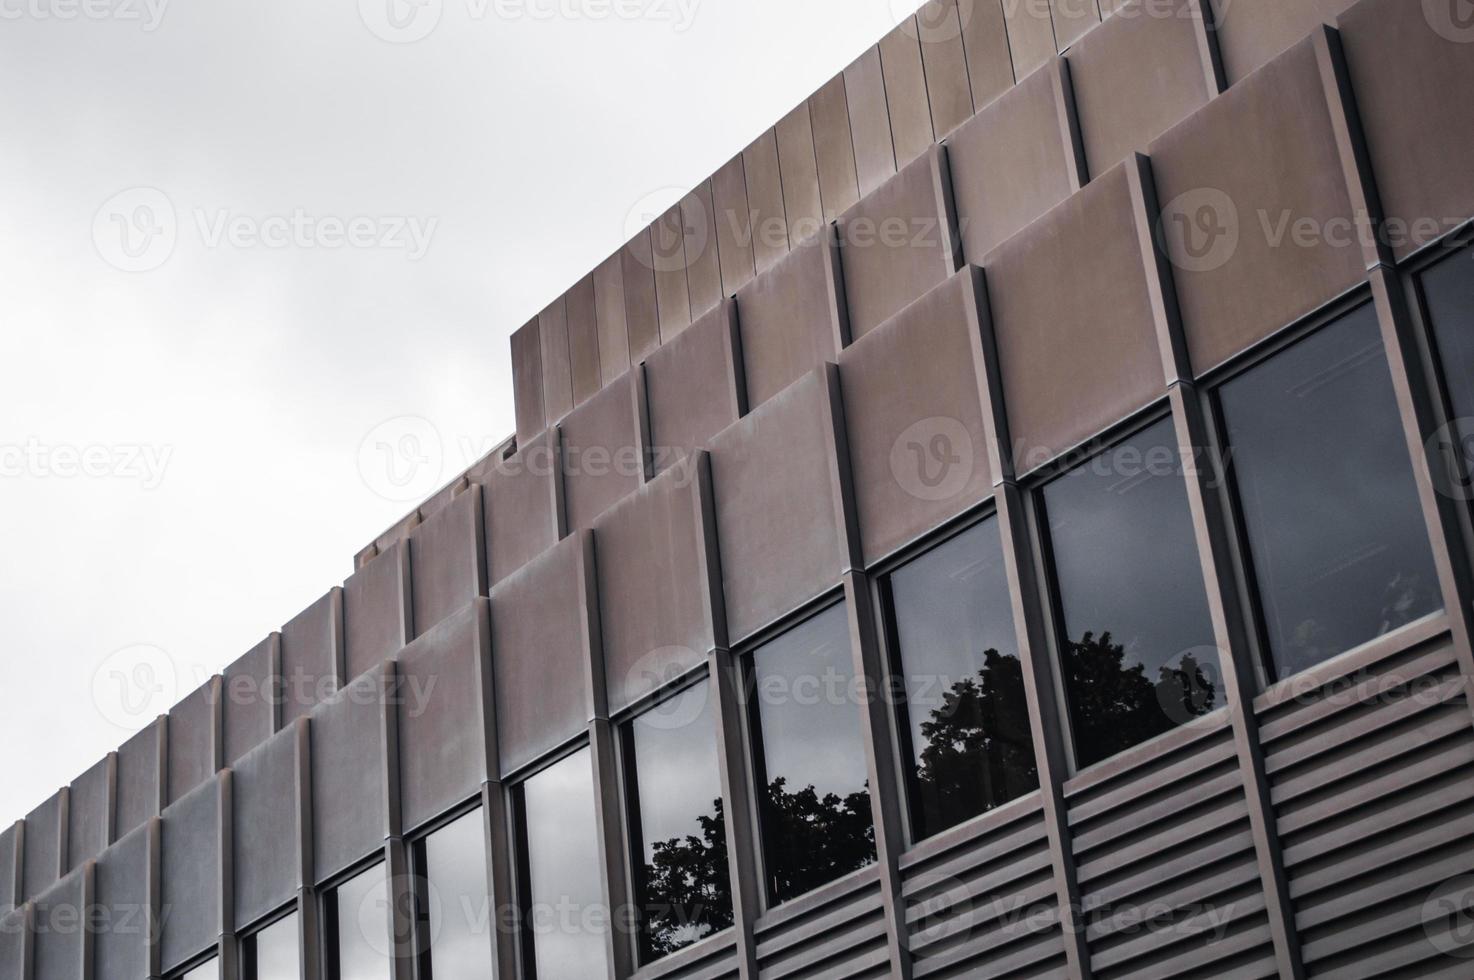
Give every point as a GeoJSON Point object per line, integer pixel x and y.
{"type": "Point", "coordinates": [239, 237]}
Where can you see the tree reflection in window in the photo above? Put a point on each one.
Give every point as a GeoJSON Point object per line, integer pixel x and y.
{"type": "Point", "coordinates": [963, 716]}
{"type": "Point", "coordinates": [809, 757]}
{"type": "Point", "coordinates": [1138, 655]}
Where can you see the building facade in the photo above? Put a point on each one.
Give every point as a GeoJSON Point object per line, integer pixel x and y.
{"type": "Point", "coordinates": [1014, 519]}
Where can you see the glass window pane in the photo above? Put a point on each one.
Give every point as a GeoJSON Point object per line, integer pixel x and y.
{"type": "Point", "coordinates": [1339, 547]}
{"type": "Point", "coordinates": [1138, 648]}
{"type": "Point", "coordinates": [567, 915]}
{"type": "Point", "coordinates": [816, 803]}
{"type": "Point", "coordinates": [967, 720]}
{"type": "Point", "coordinates": [680, 826]}
{"type": "Point", "coordinates": [208, 970]}
{"type": "Point", "coordinates": [1448, 289]}
{"type": "Point", "coordinates": [272, 953]}
{"type": "Point", "coordinates": [459, 913]}
{"type": "Point", "coordinates": [361, 906]}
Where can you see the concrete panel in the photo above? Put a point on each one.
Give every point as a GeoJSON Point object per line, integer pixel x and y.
{"type": "Point", "coordinates": [918, 444]}
{"type": "Point", "coordinates": [703, 266]}
{"type": "Point", "coordinates": [527, 380]}
{"type": "Point", "coordinates": [1030, 36]}
{"type": "Point", "coordinates": [870, 123]}
{"type": "Point", "coordinates": [803, 204]}
{"type": "Point", "coordinates": [775, 506]}
{"type": "Point", "coordinates": [518, 506]}
{"type": "Point", "coordinates": [552, 332]}
{"type": "Point", "coordinates": [190, 875]}
{"type": "Point", "coordinates": [251, 698]}
{"type": "Point", "coordinates": [1073, 361]}
{"type": "Point", "coordinates": [142, 779]}
{"type": "Point", "coordinates": [58, 922]}
{"type": "Point", "coordinates": [583, 339]}
{"type": "Point", "coordinates": [693, 386]}
{"type": "Point", "coordinates": [1251, 188]}
{"type": "Point", "coordinates": [906, 91]}
{"type": "Point", "coordinates": [268, 858]}
{"type": "Point", "coordinates": [897, 243]}
{"type": "Point", "coordinates": [121, 951]}
{"type": "Point", "coordinates": [1009, 165]}
{"type": "Point", "coordinates": [537, 634]}
{"type": "Point", "coordinates": [1072, 18]}
{"type": "Point", "coordinates": [447, 556]}
{"type": "Point", "coordinates": [195, 739]}
{"type": "Point", "coordinates": [1405, 60]}
{"type": "Point", "coordinates": [349, 815]}
{"type": "Point", "coordinates": [985, 40]}
{"type": "Point", "coordinates": [733, 232]}
{"type": "Point", "coordinates": [792, 319]}
{"type": "Point", "coordinates": [641, 308]}
{"type": "Point", "coordinates": [948, 92]}
{"type": "Point", "coordinates": [672, 296]}
{"type": "Point", "coordinates": [444, 684]}
{"type": "Point", "coordinates": [90, 805]}
{"type": "Point", "coordinates": [650, 577]}
{"type": "Point", "coordinates": [1251, 32]}
{"type": "Point", "coordinates": [376, 611]}
{"type": "Point", "coordinates": [311, 655]}
{"type": "Point", "coordinates": [1135, 77]}
{"type": "Point", "coordinates": [13, 929]}
{"type": "Point", "coordinates": [768, 219]}
{"type": "Point", "coordinates": [614, 344]}
{"type": "Point", "coordinates": [45, 845]}
{"type": "Point", "coordinates": [602, 458]}
{"type": "Point", "coordinates": [834, 148]}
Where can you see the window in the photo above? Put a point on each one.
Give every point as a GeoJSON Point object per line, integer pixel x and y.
{"type": "Point", "coordinates": [677, 824]}
{"type": "Point", "coordinates": [1339, 549]}
{"type": "Point", "coordinates": [963, 716]}
{"type": "Point", "coordinates": [1137, 653]}
{"type": "Point", "coordinates": [271, 953]}
{"type": "Point", "coordinates": [357, 920]}
{"type": "Point", "coordinates": [809, 757]}
{"type": "Point", "coordinates": [208, 970]}
{"type": "Point", "coordinates": [1448, 295]}
{"type": "Point", "coordinates": [564, 918]}
{"type": "Point", "coordinates": [454, 912]}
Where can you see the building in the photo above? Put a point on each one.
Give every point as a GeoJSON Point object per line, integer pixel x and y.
{"type": "Point", "coordinates": [1012, 520]}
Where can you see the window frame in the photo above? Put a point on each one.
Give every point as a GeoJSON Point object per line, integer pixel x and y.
{"type": "Point", "coordinates": [628, 790]}
{"type": "Point", "coordinates": [524, 946]}
{"type": "Point", "coordinates": [1241, 555]}
{"type": "Point", "coordinates": [420, 881]}
{"type": "Point", "coordinates": [896, 709]}
{"type": "Point", "coordinates": [246, 953]}
{"type": "Point", "coordinates": [327, 907]}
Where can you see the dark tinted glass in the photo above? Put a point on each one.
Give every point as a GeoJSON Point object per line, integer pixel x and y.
{"type": "Point", "coordinates": [1448, 290]}
{"type": "Point", "coordinates": [1138, 649]}
{"type": "Point", "coordinates": [966, 721]}
{"type": "Point", "coordinates": [360, 920]}
{"type": "Point", "coordinates": [454, 902]}
{"type": "Point", "coordinates": [565, 915]}
{"type": "Point", "coordinates": [271, 954]}
{"type": "Point", "coordinates": [1340, 550]}
{"type": "Point", "coordinates": [816, 801]}
{"type": "Point", "coordinates": [678, 822]}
